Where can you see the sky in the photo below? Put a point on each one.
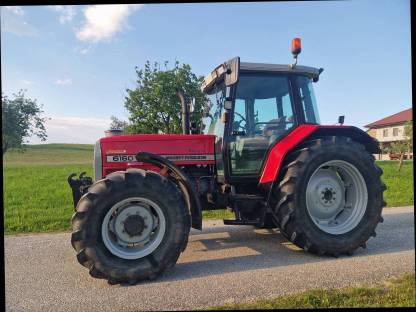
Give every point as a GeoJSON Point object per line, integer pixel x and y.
{"type": "Point", "coordinates": [77, 61]}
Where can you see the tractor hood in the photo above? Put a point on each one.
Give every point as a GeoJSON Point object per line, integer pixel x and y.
{"type": "Point", "coordinates": [118, 152]}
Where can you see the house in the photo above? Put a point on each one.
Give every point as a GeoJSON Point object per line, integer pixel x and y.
{"type": "Point", "coordinates": [390, 129]}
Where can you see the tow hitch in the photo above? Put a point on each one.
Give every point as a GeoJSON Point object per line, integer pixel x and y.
{"type": "Point", "coordinates": [79, 186]}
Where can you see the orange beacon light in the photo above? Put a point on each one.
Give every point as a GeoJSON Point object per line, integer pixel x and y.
{"type": "Point", "coordinates": [296, 46]}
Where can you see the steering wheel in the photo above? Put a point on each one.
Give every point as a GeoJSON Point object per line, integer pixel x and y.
{"type": "Point", "coordinates": [239, 115]}
{"type": "Point", "coordinates": [239, 126]}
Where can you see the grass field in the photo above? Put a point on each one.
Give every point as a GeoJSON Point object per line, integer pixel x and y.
{"type": "Point", "coordinates": [46, 154]}
{"type": "Point", "coordinates": [399, 184]}
{"type": "Point", "coordinates": [397, 292]}
{"type": "Point", "coordinates": [37, 197]}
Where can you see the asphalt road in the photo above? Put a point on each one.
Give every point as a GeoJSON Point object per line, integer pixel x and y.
{"type": "Point", "coordinates": [222, 264]}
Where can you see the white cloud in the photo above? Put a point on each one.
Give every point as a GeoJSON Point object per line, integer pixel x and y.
{"type": "Point", "coordinates": [27, 82]}
{"type": "Point", "coordinates": [83, 50]}
{"type": "Point", "coordinates": [12, 22]}
{"type": "Point", "coordinates": [17, 10]}
{"type": "Point", "coordinates": [63, 82]}
{"type": "Point", "coordinates": [66, 12]}
{"type": "Point", "coordinates": [102, 22]}
{"type": "Point", "coordinates": [73, 130]}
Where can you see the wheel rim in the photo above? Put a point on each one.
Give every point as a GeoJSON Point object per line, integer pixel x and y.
{"type": "Point", "coordinates": [336, 197]}
{"type": "Point", "coordinates": [133, 228]}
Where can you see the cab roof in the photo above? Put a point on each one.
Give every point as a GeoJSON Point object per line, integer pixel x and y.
{"type": "Point", "coordinates": [219, 72]}
{"type": "Point", "coordinates": [311, 72]}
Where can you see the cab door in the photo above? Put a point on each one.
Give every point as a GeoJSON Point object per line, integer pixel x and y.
{"type": "Point", "coordinates": [262, 114]}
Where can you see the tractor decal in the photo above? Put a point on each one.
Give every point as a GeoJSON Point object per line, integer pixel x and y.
{"type": "Point", "coordinates": [131, 158]}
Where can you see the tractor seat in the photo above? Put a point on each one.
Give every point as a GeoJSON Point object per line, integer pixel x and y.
{"type": "Point", "coordinates": [252, 147]}
{"type": "Point", "coordinates": [274, 129]}
{"type": "Point", "coordinates": [274, 124]}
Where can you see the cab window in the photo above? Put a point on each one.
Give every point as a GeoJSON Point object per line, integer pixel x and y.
{"type": "Point", "coordinates": [212, 123]}
{"type": "Point", "coordinates": [213, 106]}
{"type": "Point", "coordinates": [307, 98]}
{"type": "Point", "coordinates": [262, 114]}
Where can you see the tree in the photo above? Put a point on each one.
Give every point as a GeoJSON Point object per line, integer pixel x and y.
{"type": "Point", "coordinates": [400, 148]}
{"type": "Point", "coordinates": [403, 146]}
{"type": "Point", "coordinates": [408, 133]}
{"type": "Point", "coordinates": [21, 118]}
{"type": "Point", "coordinates": [154, 106]}
{"type": "Point", "coordinates": [117, 124]}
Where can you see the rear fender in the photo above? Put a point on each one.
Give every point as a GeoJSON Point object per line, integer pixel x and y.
{"type": "Point", "coordinates": [278, 152]}
{"type": "Point", "coordinates": [187, 189]}
{"type": "Point", "coordinates": [356, 134]}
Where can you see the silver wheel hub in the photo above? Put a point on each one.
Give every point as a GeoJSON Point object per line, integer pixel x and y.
{"type": "Point", "coordinates": [336, 197]}
{"type": "Point", "coordinates": [324, 194]}
{"type": "Point", "coordinates": [133, 224]}
{"type": "Point", "coordinates": [133, 228]}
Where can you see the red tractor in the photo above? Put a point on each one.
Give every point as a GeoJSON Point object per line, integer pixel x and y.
{"type": "Point", "coordinates": [263, 154]}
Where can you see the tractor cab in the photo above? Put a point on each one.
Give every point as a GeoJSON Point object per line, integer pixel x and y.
{"type": "Point", "coordinates": [250, 107]}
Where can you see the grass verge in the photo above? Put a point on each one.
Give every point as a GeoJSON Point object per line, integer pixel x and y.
{"type": "Point", "coordinates": [396, 292]}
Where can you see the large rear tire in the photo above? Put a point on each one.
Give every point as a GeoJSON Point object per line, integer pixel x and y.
{"type": "Point", "coordinates": [330, 196]}
{"type": "Point", "coordinates": [130, 226]}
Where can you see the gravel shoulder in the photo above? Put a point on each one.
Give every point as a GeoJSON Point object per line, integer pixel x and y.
{"type": "Point", "coordinates": [222, 264]}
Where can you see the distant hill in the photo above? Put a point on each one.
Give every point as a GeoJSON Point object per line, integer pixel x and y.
{"type": "Point", "coordinates": [65, 146]}
{"type": "Point", "coordinates": [50, 154]}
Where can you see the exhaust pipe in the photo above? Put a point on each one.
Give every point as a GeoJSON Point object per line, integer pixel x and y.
{"type": "Point", "coordinates": [184, 111]}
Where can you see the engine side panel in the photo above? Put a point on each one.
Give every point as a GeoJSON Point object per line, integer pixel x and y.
{"type": "Point", "coordinates": [118, 152]}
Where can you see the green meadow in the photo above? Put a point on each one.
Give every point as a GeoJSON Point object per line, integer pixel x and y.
{"type": "Point", "coordinates": [37, 197]}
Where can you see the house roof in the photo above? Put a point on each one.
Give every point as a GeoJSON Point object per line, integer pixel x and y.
{"type": "Point", "coordinates": [400, 117]}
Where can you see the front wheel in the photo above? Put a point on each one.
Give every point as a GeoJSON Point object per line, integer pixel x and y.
{"type": "Point", "coordinates": [330, 198]}
{"type": "Point", "coordinates": [130, 226]}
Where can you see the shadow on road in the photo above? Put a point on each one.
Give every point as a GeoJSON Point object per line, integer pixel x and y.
{"type": "Point", "coordinates": [268, 249]}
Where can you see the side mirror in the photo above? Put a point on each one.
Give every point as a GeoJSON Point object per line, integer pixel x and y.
{"type": "Point", "coordinates": [233, 69]}
{"type": "Point", "coordinates": [228, 105]}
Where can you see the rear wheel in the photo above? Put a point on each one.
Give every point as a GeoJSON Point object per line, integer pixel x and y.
{"type": "Point", "coordinates": [330, 198]}
{"type": "Point", "coordinates": [130, 226]}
